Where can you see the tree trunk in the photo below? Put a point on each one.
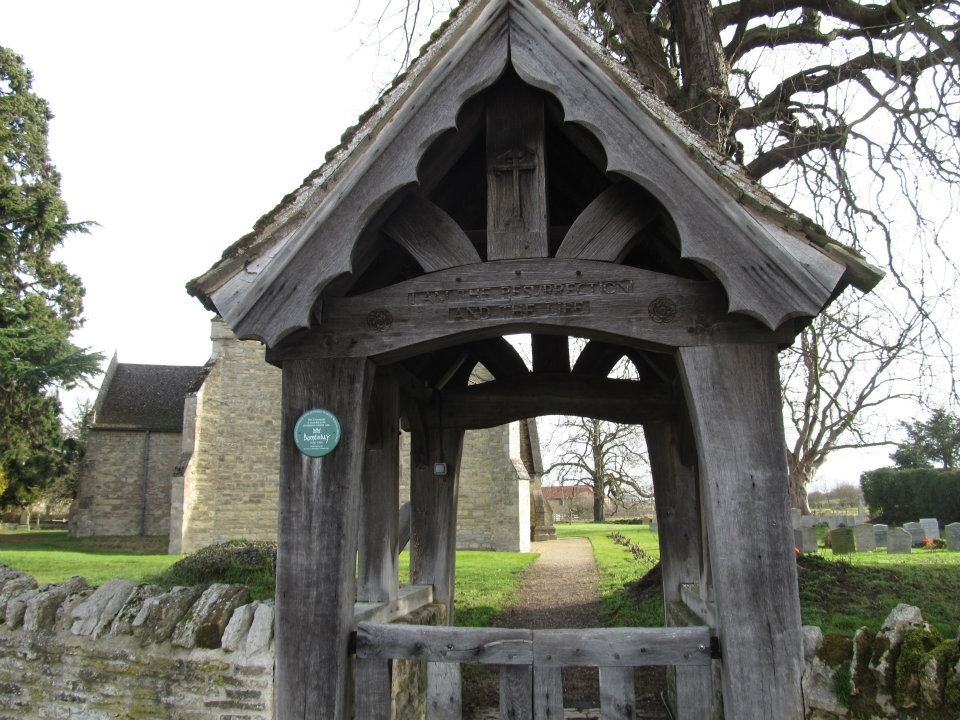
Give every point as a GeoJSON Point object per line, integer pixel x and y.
{"type": "Point", "coordinates": [599, 510]}
{"type": "Point", "coordinates": [798, 489]}
{"type": "Point", "coordinates": [25, 517]}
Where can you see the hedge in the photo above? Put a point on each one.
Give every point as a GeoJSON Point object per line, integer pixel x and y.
{"type": "Point", "coordinates": [899, 496]}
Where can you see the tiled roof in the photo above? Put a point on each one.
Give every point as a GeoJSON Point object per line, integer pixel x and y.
{"type": "Point", "coordinates": [147, 397]}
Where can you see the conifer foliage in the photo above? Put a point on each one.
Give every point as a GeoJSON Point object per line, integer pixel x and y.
{"type": "Point", "coordinates": [41, 302]}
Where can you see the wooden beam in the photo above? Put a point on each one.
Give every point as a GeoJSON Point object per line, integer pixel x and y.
{"type": "Point", "coordinates": [432, 237]}
{"type": "Point", "coordinates": [488, 646]}
{"type": "Point", "coordinates": [502, 401]}
{"type": "Point", "coordinates": [618, 694]}
{"type": "Point", "coordinates": [433, 498]}
{"type": "Point", "coordinates": [444, 691]}
{"type": "Point", "coordinates": [606, 228]}
{"type": "Point", "coordinates": [516, 692]}
{"type": "Point", "coordinates": [547, 693]}
{"type": "Point", "coordinates": [317, 538]}
{"type": "Point", "coordinates": [551, 353]}
{"type": "Point", "coordinates": [516, 174]}
{"type": "Point", "coordinates": [409, 599]}
{"type": "Point", "coordinates": [622, 647]}
{"type": "Point", "coordinates": [499, 357]}
{"type": "Point", "coordinates": [597, 359]}
{"type": "Point", "coordinates": [733, 392]}
{"type": "Point", "coordinates": [600, 300]}
{"type": "Point", "coordinates": [377, 570]}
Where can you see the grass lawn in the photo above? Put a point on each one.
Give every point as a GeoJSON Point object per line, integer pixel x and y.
{"type": "Point", "coordinates": [486, 581]}
{"type": "Point", "coordinates": [618, 568]}
{"type": "Point", "coordinates": [52, 557]}
{"type": "Point", "coordinates": [838, 593]}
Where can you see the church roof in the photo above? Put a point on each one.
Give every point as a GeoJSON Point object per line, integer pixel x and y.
{"type": "Point", "coordinates": [146, 397]}
{"type": "Point", "coordinates": [303, 231]}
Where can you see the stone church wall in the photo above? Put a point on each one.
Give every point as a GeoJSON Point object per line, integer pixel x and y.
{"type": "Point", "coordinates": [110, 500]}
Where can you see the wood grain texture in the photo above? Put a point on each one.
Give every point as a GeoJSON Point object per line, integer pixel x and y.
{"type": "Point", "coordinates": [622, 647]}
{"type": "Point", "coordinates": [443, 691]}
{"type": "Point", "coordinates": [761, 278]}
{"type": "Point", "coordinates": [373, 692]}
{"type": "Point", "coordinates": [516, 692]}
{"type": "Point", "coordinates": [317, 539]}
{"type": "Point", "coordinates": [432, 237]}
{"type": "Point", "coordinates": [433, 530]}
{"type": "Point", "coordinates": [498, 402]}
{"type": "Point", "coordinates": [547, 693]}
{"type": "Point", "coordinates": [593, 299]}
{"type": "Point", "coordinates": [377, 569]}
{"type": "Point", "coordinates": [733, 392]}
{"type": "Point", "coordinates": [410, 599]}
{"type": "Point", "coordinates": [617, 694]}
{"type": "Point", "coordinates": [516, 173]}
{"type": "Point", "coordinates": [274, 294]}
{"type": "Point", "coordinates": [607, 226]}
{"type": "Point", "coordinates": [488, 646]}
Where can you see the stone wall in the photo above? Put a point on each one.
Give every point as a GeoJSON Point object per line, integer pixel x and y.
{"type": "Point", "coordinates": [110, 499]}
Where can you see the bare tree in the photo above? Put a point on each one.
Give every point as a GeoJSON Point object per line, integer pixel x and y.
{"type": "Point", "coordinates": [605, 456]}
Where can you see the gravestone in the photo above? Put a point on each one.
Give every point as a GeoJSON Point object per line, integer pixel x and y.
{"type": "Point", "coordinates": [807, 521]}
{"type": "Point", "coordinates": [931, 528]}
{"type": "Point", "coordinates": [866, 537]}
{"type": "Point", "coordinates": [653, 526]}
{"type": "Point", "coordinates": [899, 541]}
{"type": "Point", "coordinates": [916, 532]}
{"type": "Point", "coordinates": [797, 538]}
{"type": "Point", "coordinates": [953, 536]}
{"type": "Point", "coordinates": [880, 534]}
{"type": "Point", "coordinates": [808, 542]}
{"type": "Point", "coordinates": [843, 541]}
{"type": "Point", "coordinates": [795, 516]}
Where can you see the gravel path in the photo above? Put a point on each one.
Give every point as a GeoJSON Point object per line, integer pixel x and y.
{"type": "Point", "coordinates": [559, 590]}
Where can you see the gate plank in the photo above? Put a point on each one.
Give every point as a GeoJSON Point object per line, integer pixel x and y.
{"type": "Point", "coordinates": [622, 647]}
{"type": "Point", "coordinates": [516, 692]}
{"type": "Point", "coordinates": [547, 693]}
{"type": "Point", "coordinates": [617, 694]}
{"type": "Point", "coordinates": [373, 689]}
{"type": "Point", "coordinates": [443, 691]}
{"type": "Point", "coordinates": [496, 646]}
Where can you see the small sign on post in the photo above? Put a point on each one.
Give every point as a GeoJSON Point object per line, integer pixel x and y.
{"type": "Point", "coordinates": [440, 469]}
{"type": "Point", "coordinates": [317, 433]}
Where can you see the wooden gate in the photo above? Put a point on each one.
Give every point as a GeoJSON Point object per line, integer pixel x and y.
{"type": "Point", "coordinates": [530, 662]}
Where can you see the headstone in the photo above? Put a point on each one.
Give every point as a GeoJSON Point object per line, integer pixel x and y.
{"type": "Point", "coordinates": [916, 532]}
{"type": "Point", "coordinates": [931, 528]}
{"type": "Point", "coordinates": [808, 521]}
{"type": "Point", "coordinates": [795, 516]}
{"type": "Point", "coordinates": [866, 537]}
{"type": "Point", "coordinates": [654, 527]}
{"type": "Point", "coordinates": [797, 538]}
{"type": "Point", "coordinates": [809, 540]}
{"type": "Point", "coordinates": [842, 541]}
{"type": "Point", "coordinates": [880, 534]}
{"type": "Point", "coordinates": [953, 536]}
{"type": "Point", "coordinates": [899, 541]}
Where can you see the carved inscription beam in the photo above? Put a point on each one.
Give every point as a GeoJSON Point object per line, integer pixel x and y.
{"type": "Point", "coordinates": [501, 401]}
{"type": "Point", "coordinates": [593, 299]}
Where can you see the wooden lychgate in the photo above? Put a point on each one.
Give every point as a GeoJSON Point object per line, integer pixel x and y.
{"type": "Point", "coordinates": [517, 180]}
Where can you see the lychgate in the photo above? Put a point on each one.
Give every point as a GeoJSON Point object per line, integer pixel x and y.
{"type": "Point", "coordinates": [517, 180]}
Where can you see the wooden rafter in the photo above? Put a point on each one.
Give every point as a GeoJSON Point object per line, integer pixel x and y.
{"type": "Point", "coordinates": [431, 236]}
{"type": "Point", "coordinates": [606, 228]}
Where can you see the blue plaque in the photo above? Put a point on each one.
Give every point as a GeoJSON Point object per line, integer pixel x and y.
{"type": "Point", "coordinates": [317, 433]}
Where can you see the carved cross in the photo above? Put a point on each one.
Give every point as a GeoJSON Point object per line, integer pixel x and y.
{"type": "Point", "coordinates": [515, 161]}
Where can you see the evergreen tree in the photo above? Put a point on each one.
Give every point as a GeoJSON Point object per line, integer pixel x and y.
{"type": "Point", "coordinates": [936, 440]}
{"type": "Point", "coordinates": [41, 302]}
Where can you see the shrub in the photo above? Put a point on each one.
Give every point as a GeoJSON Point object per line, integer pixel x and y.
{"type": "Point", "coordinates": [241, 562]}
{"type": "Point", "coordinates": [899, 496]}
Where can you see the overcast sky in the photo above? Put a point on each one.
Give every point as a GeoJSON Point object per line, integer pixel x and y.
{"type": "Point", "coordinates": [176, 126]}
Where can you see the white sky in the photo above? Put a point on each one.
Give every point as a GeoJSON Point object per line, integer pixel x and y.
{"type": "Point", "coordinates": [178, 125]}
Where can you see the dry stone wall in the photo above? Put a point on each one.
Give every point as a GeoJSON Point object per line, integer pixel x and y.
{"type": "Point", "coordinates": [111, 498]}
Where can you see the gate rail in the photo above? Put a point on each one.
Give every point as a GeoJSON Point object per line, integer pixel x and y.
{"type": "Point", "coordinates": [530, 663]}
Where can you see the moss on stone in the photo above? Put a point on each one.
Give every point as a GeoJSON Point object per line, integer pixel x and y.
{"type": "Point", "coordinates": [841, 684]}
{"type": "Point", "coordinates": [913, 656]}
{"type": "Point", "coordinates": [836, 650]}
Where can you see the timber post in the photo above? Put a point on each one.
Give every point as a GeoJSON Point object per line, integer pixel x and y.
{"type": "Point", "coordinates": [317, 539]}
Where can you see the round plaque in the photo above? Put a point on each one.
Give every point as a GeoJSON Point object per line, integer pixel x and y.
{"type": "Point", "coordinates": [317, 433]}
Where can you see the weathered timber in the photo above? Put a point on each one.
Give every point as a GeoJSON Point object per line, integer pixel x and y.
{"type": "Point", "coordinates": [516, 173]}
{"type": "Point", "coordinates": [433, 531]}
{"type": "Point", "coordinates": [678, 518]}
{"type": "Point", "coordinates": [606, 228]}
{"type": "Point", "coordinates": [409, 599]}
{"type": "Point", "coordinates": [317, 538]}
{"type": "Point", "coordinates": [551, 353]}
{"type": "Point", "coordinates": [579, 297]}
{"type": "Point", "coordinates": [622, 647]}
{"type": "Point", "coordinates": [762, 277]}
{"type": "Point", "coordinates": [516, 692]}
{"type": "Point", "coordinates": [597, 359]}
{"type": "Point", "coordinates": [547, 693]}
{"type": "Point", "coordinates": [499, 357]}
{"type": "Point", "coordinates": [443, 691]}
{"type": "Point", "coordinates": [373, 696]}
{"type": "Point", "coordinates": [501, 401]}
{"type": "Point", "coordinates": [618, 699]}
{"type": "Point", "coordinates": [450, 147]}
{"type": "Point", "coordinates": [733, 392]}
{"type": "Point", "coordinates": [274, 295]}
{"type": "Point", "coordinates": [489, 646]}
{"type": "Point", "coordinates": [431, 236]}
{"type": "Point", "coordinates": [377, 569]}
